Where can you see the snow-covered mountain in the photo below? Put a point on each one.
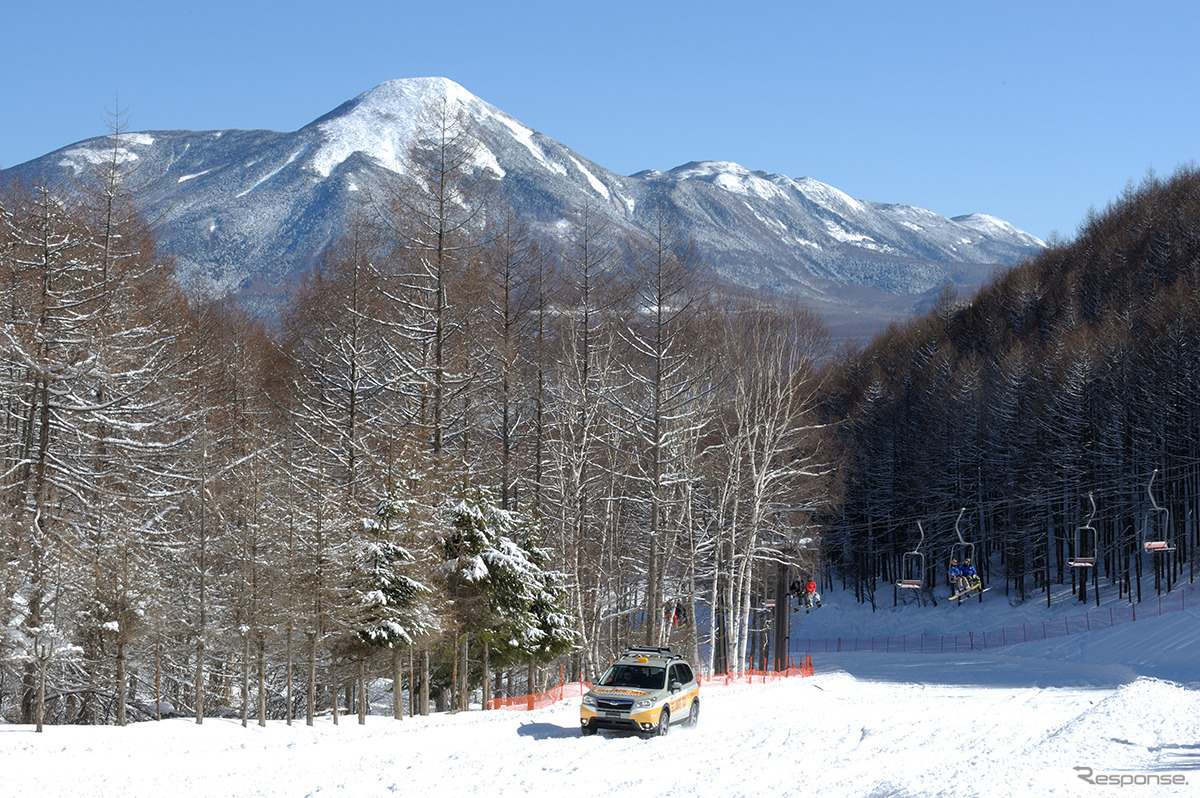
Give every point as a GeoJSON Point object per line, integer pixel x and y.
{"type": "Point", "coordinates": [248, 211]}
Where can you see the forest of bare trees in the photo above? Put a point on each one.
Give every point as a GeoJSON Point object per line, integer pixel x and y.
{"type": "Point", "coordinates": [468, 457]}
{"type": "Point", "coordinates": [464, 458]}
{"type": "Point", "coordinates": [1069, 380]}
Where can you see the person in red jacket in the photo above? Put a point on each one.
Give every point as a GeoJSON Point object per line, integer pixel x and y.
{"type": "Point", "coordinates": [811, 596]}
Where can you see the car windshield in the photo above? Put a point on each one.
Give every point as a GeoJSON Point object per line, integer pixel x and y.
{"type": "Point", "coordinates": [642, 677]}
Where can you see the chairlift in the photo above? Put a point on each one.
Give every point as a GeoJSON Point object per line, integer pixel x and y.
{"type": "Point", "coordinates": [912, 566]}
{"type": "Point", "coordinates": [1159, 546]}
{"type": "Point", "coordinates": [962, 550]}
{"type": "Point", "coordinates": [1087, 541]}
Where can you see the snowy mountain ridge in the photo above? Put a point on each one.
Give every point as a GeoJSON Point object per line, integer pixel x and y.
{"type": "Point", "coordinates": [248, 211]}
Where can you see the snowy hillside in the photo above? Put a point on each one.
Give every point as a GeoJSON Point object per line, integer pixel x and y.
{"type": "Point", "coordinates": [1057, 632]}
{"type": "Point", "coordinates": [247, 211]}
{"type": "Point", "coordinates": [1029, 719]}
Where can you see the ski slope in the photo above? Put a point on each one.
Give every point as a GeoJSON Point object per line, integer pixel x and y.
{"type": "Point", "coordinates": [1015, 721]}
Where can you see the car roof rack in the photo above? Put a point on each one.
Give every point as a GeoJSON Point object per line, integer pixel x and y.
{"type": "Point", "coordinates": [662, 651]}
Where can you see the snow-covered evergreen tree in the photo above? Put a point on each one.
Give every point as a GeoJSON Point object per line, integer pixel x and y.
{"type": "Point", "coordinates": [504, 596]}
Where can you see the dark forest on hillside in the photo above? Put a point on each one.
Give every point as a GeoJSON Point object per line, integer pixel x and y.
{"type": "Point", "coordinates": [1070, 379]}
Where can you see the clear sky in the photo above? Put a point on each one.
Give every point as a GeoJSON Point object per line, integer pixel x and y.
{"type": "Point", "coordinates": [1031, 111]}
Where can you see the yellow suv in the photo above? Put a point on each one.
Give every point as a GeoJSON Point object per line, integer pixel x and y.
{"type": "Point", "coordinates": [645, 690]}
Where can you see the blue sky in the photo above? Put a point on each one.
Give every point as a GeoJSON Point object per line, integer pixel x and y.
{"type": "Point", "coordinates": [1031, 111]}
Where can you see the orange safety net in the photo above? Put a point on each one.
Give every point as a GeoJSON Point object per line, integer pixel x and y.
{"type": "Point", "coordinates": [531, 701]}
{"type": "Point", "coordinates": [555, 694]}
{"type": "Point", "coordinates": [750, 676]}
{"type": "Point", "coordinates": [541, 700]}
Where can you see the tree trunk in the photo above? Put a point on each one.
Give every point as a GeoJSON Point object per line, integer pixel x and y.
{"type": "Point", "coordinates": [487, 675]}
{"type": "Point", "coordinates": [245, 680]}
{"type": "Point", "coordinates": [464, 678]}
{"type": "Point", "coordinates": [362, 692]}
{"type": "Point", "coordinates": [454, 691]}
{"type": "Point", "coordinates": [397, 685]}
{"type": "Point", "coordinates": [311, 704]}
{"type": "Point", "coordinates": [40, 711]}
{"type": "Point", "coordinates": [287, 711]}
{"type": "Point", "coordinates": [122, 679]}
{"type": "Point", "coordinates": [262, 681]}
{"type": "Point", "coordinates": [199, 685]}
{"type": "Point", "coordinates": [158, 680]}
{"type": "Point", "coordinates": [333, 698]}
{"type": "Point", "coordinates": [424, 708]}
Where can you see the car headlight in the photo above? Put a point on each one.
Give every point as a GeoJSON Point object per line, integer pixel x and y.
{"type": "Point", "coordinates": [589, 700]}
{"type": "Point", "coordinates": [645, 702]}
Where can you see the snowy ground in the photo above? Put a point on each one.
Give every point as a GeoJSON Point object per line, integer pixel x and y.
{"type": "Point", "coordinates": [1025, 720]}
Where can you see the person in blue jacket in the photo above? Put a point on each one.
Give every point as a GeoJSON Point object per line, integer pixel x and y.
{"type": "Point", "coordinates": [958, 577]}
{"type": "Point", "coordinates": [970, 576]}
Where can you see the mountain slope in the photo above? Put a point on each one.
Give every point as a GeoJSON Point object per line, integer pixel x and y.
{"type": "Point", "coordinates": [248, 211]}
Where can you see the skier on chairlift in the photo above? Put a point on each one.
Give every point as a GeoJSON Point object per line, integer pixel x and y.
{"type": "Point", "coordinates": [958, 578]}
{"type": "Point", "coordinates": [811, 597]}
{"type": "Point", "coordinates": [971, 576]}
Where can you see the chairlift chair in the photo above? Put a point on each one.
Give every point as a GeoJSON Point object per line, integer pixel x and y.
{"type": "Point", "coordinates": [912, 566]}
{"type": "Point", "coordinates": [1087, 542]}
{"type": "Point", "coordinates": [962, 550]}
{"type": "Point", "coordinates": [1158, 546]}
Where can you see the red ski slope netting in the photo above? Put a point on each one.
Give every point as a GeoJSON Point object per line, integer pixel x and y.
{"type": "Point", "coordinates": [565, 690]}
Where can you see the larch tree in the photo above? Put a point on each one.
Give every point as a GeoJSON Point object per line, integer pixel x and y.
{"type": "Point", "coordinates": [669, 375]}
{"type": "Point", "coordinates": [583, 521]}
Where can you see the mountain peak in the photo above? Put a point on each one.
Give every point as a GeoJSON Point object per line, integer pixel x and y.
{"type": "Point", "coordinates": [381, 121]}
{"type": "Point", "coordinates": [404, 92]}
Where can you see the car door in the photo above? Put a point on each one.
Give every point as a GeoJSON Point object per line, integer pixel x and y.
{"type": "Point", "coordinates": [679, 675]}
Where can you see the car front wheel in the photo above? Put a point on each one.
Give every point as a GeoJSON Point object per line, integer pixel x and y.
{"type": "Point", "coordinates": [664, 724]}
{"type": "Point", "coordinates": [693, 718]}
